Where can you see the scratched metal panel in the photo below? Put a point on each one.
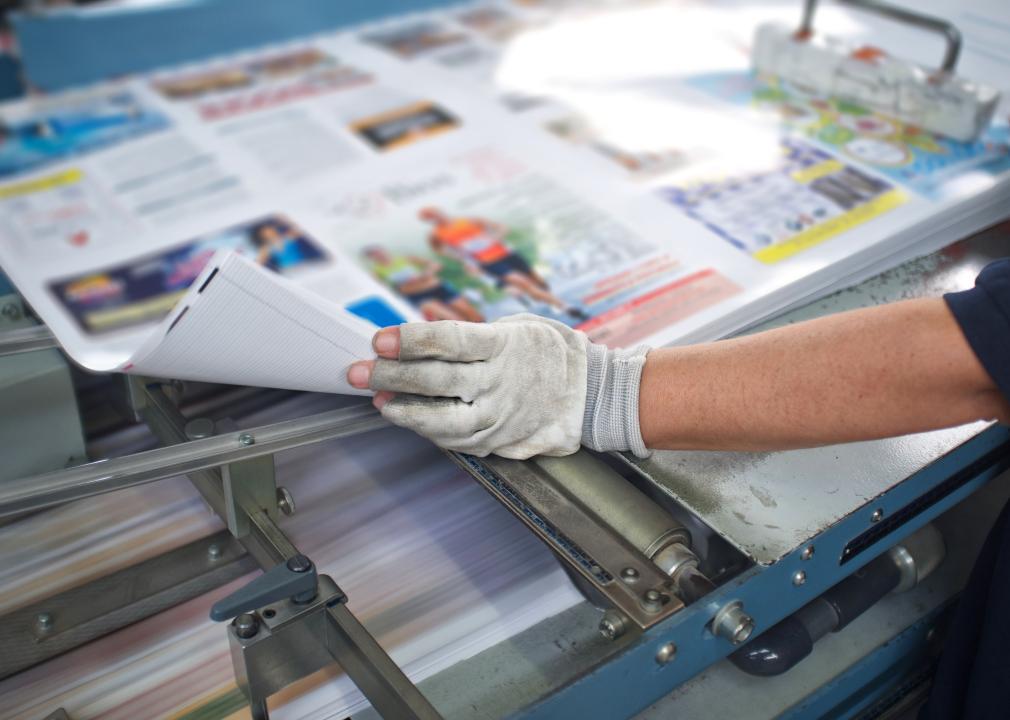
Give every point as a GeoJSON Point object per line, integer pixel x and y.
{"type": "Point", "coordinates": [767, 504]}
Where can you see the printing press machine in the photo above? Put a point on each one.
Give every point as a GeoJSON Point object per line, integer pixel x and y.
{"type": "Point", "coordinates": [803, 584]}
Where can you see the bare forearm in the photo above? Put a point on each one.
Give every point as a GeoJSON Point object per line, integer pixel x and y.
{"type": "Point", "coordinates": [871, 373]}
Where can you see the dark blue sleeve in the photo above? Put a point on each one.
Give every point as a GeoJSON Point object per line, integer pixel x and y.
{"type": "Point", "coordinates": [984, 315]}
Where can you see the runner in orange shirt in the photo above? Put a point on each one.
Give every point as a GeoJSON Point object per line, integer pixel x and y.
{"type": "Point", "coordinates": [480, 246]}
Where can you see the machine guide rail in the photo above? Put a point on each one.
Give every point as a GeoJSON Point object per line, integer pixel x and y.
{"type": "Point", "coordinates": [343, 638]}
{"type": "Point", "coordinates": [631, 552]}
{"type": "Point", "coordinates": [272, 646]}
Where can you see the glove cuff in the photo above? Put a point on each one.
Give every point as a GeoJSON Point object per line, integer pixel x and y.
{"type": "Point", "coordinates": [610, 420]}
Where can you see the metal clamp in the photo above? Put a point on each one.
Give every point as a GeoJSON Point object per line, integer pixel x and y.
{"type": "Point", "coordinates": [951, 34]}
{"type": "Point", "coordinates": [280, 643]}
{"type": "Point", "coordinates": [295, 580]}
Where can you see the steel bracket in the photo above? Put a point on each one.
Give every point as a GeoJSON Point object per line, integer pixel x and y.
{"type": "Point", "coordinates": [284, 646]}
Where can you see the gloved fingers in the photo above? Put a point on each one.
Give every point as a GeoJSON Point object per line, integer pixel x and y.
{"type": "Point", "coordinates": [443, 420]}
{"type": "Point", "coordinates": [449, 340]}
{"type": "Point", "coordinates": [433, 378]}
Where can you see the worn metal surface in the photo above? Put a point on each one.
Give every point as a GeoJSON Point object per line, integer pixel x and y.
{"type": "Point", "coordinates": [29, 339]}
{"type": "Point", "coordinates": [827, 677]}
{"type": "Point", "coordinates": [39, 491]}
{"type": "Point", "coordinates": [97, 608]}
{"type": "Point", "coordinates": [766, 504]}
{"type": "Point", "coordinates": [581, 535]}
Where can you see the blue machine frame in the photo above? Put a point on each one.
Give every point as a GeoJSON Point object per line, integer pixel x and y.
{"type": "Point", "coordinates": [768, 592]}
{"type": "Point", "coordinates": [68, 47]}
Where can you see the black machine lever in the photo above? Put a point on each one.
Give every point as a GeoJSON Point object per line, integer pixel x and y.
{"type": "Point", "coordinates": [296, 579]}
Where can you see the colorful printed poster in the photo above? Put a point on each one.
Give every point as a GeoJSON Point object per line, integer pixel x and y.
{"type": "Point", "coordinates": [69, 128]}
{"type": "Point", "coordinates": [921, 160]}
{"type": "Point", "coordinates": [484, 237]}
{"type": "Point", "coordinates": [146, 289]}
{"type": "Point", "coordinates": [801, 200]}
{"type": "Point", "coordinates": [262, 83]}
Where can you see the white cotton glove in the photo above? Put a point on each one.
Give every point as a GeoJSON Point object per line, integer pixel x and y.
{"type": "Point", "coordinates": [518, 387]}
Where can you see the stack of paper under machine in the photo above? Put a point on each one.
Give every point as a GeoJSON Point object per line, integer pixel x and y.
{"type": "Point", "coordinates": [253, 217]}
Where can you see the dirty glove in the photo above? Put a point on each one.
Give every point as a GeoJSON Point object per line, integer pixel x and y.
{"type": "Point", "coordinates": [518, 387]}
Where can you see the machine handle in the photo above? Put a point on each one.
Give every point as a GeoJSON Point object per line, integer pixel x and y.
{"type": "Point", "coordinates": [910, 17]}
{"type": "Point", "coordinates": [296, 579]}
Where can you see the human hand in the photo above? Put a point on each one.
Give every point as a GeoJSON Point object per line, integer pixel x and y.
{"type": "Point", "coordinates": [518, 387]}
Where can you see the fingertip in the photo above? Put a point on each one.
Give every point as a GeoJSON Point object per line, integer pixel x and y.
{"type": "Point", "coordinates": [360, 373]}
{"type": "Point", "coordinates": [381, 398]}
{"type": "Point", "coordinates": [387, 342]}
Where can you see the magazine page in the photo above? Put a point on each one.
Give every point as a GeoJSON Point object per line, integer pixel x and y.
{"type": "Point", "coordinates": [483, 234]}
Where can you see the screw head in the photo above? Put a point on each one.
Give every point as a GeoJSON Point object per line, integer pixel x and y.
{"type": "Point", "coordinates": [612, 624]}
{"type": "Point", "coordinates": [44, 622]}
{"type": "Point", "coordinates": [808, 552]}
{"type": "Point", "coordinates": [652, 601]}
{"type": "Point", "coordinates": [246, 625]}
{"type": "Point", "coordinates": [214, 552]}
{"type": "Point", "coordinates": [11, 311]}
{"type": "Point", "coordinates": [877, 515]}
{"type": "Point", "coordinates": [299, 564]}
{"type": "Point", "coordinates": [285, 501]}
{"type": "Point", "coordinates": [199, 428]}
{"type": "Point", "coordinates": [666, 653]}
{"type": "Point", "coordinates": [799, 577]}
{"type": "Point", "coordinates": [629, 574]}
{"type": "Point", "coordinates": [246, 439]}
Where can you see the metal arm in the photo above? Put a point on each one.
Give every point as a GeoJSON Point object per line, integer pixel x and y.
{"type": "Point", "coordinates": [951, 34]}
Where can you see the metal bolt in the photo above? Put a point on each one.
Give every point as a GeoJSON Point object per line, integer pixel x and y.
{"type": "Point", "coordinates": [612, 624]}
{"type": "Point", "coordinates": [652, 601]}
{"type": "Point", "coordinates": [799, 577]}
{"type": "Point", "coordinates": [246, 439]}
{"type": "Point", "coordinates": [808, 552]}
{"type": "Point", "coordinates": [299, 564]}
{"type": "Point", "coordinates": [11, 311]}
{"type": "Point", "coordinates": [629, 574]}
{"type": "Point", "coordinates": [285, 501]}
{"type": "Point", "coordinates": [44, 622]}
{"type": "Point", "coordinates": [732, 623]}
{"type": "Point", "coordinates": [246, 625]}
{"type": "Point", "coordinates": [666, 653]}
{"type": "Point", "coordinates": [877, 515]}
{"type": "Point", "coordinates": [214, 552]}
{"type": "Point", "coordinates": [199, 428]}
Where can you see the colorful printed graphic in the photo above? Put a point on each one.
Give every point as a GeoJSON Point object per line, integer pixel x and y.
{"type": "Point", "coordinates": [911, 156]}
{"type": "Point", "coordinates": [72, 129]}
{"type": "Point", "coordinates": [806, 198]}
{"type": "Point", "coordinates": [60, 211]}
{"type": "Point", "coordinates": [404, 125]}
{"type": "Point", "coordinates": [147, 288]}
{"type": "Point", "coordinates": [496, 24]}
{"type": "Point", "coordinates": [415, 39]}
{"type": "Point", "coordinates": [261, 84]}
